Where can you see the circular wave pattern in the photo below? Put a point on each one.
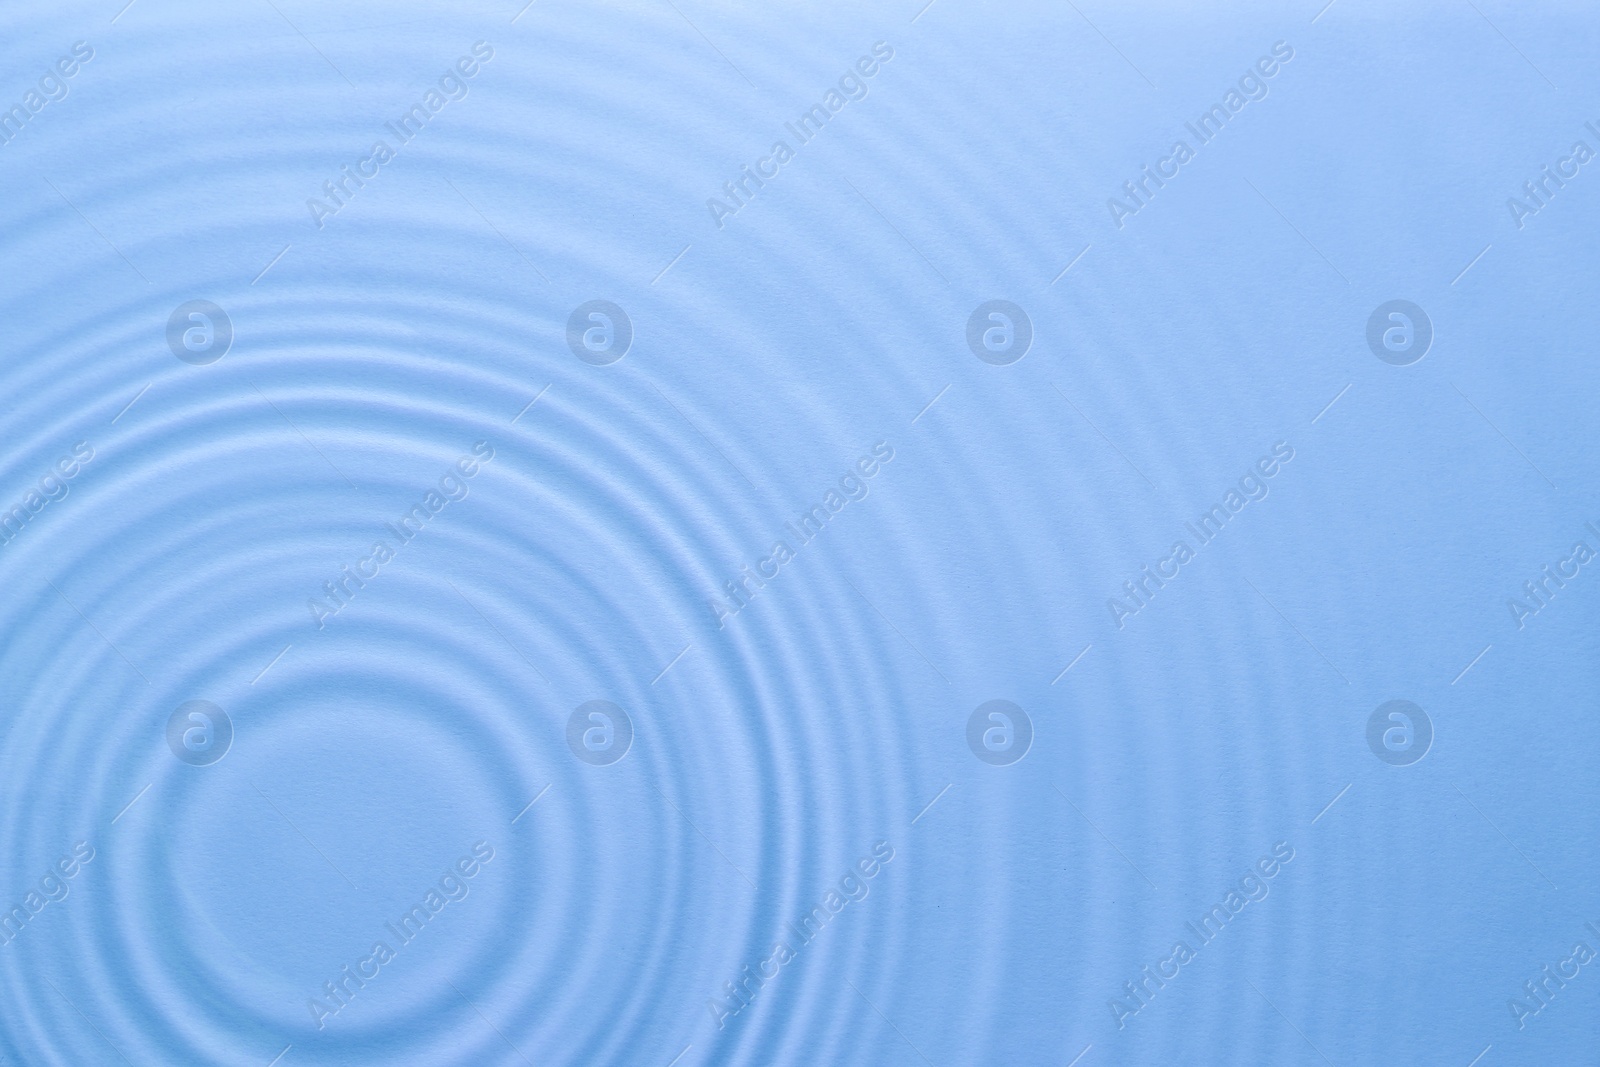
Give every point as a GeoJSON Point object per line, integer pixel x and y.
{"type": "Point", "coordinates": [406, 652]}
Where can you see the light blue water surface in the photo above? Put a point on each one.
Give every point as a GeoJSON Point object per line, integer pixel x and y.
{"type": "Point", "coordinates": [419, 741]}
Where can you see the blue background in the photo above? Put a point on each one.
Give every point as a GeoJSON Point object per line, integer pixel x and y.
{"type": "Point", "coordinates": [771, 753]}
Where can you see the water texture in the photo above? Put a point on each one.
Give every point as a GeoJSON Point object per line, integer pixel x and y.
{"type": "Point", "coordinates": [675, 533]}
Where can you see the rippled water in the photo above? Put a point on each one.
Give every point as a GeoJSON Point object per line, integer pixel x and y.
{"type": "Point", "coordinates": [512, 567]}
